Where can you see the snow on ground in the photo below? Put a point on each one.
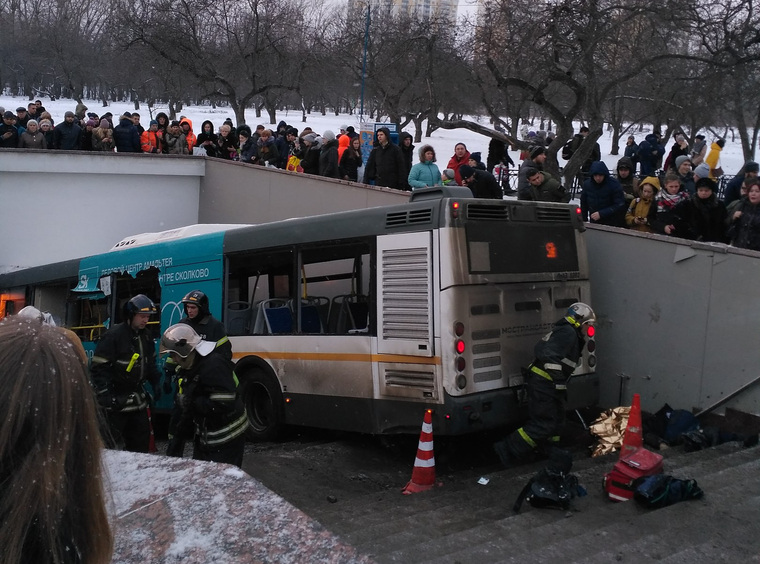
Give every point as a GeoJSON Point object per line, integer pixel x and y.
{"type": "Point", "coordinates": [442, 140]}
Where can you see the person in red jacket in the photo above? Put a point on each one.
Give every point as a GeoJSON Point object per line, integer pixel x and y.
{"type": "Point", "coordinates": [150, 141]}
{"type": "Point", "coordinates": [461, 157]}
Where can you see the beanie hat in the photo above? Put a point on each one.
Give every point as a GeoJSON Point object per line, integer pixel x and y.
{"type": "Point", "coordinates": [68, 114]}
{"type": "Point", "coordinates": [680, 160]}
{"type": "Point", "coordinates": [706, 183]}
{"type": "Point", "coordinates": [751, 166]}
{"type": "Point", "coordinates": [104, 123]}
{"type": "Point", "coordinates": [311, 137]}
{"type": "Point", "coordinates": [8, 114]}
{"type": "Point", "coordinates": [328, 135]}
{"type": "Point", "coordinates": [242, 132]}
{"type": "Point", "coordinates": [91, 123]}
{"type": "Point", "coordinates": [535, 152]}
{"type": "Point", "coordinates": [702, 171]}
{"type": "Point", "coordinates": [466, 171]}
{"type": "Point", "coordinates": [174, 123]}
{"type": "Point", "coordinates": [153, 122]}
{"type": "Point", "coordinates": [450, 174]}
{"type": "Point", "coordinates": [475, 157]}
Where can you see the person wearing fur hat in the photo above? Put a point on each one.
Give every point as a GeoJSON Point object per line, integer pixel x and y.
{"type": "Point", "coordinates": [640, 208]}
{"type": "Point", "coordinates": [425, 173]}
{"type": "Point", "coordinates": [102, 136]}
{"type": "Point", "coordinates": [536, 159]}
{"type": "Point", "coordinates": [386, 165]}
{"type": "Point", "coordinates": [328, 156]}
{"type": "Point", "coordinates": [733, 188]}
{"type": "Point", "coordinates": [703, 215]}
{"type": "Point", "coordinates": [175, 141]}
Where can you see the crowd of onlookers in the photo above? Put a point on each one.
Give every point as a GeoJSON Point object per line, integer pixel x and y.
{"type": "Point", "coordinates": [674, 194]}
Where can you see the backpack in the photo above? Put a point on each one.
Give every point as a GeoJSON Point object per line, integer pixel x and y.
{"type": "Point", "coordinates": [567, 150]}
{"type": "Point", "coordinates": [619, 483]}
{"type": "Point", "coordinates": [550, 490]}
{"type": "Point", "coordinates": [662, 490]}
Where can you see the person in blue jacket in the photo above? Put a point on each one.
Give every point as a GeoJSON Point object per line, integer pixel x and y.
{"type": "Point", "coordinates": [603, 199]}
{"type": "Point", "coordinates": [426, 172]}
{"type": "Point", "coordinates": [650, 153]}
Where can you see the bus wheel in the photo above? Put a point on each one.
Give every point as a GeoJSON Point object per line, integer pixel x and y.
{"type": "Point", "coordinates": [263, 405]}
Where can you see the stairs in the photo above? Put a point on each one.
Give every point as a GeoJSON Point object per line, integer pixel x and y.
{"type": "Point", "coordinates": [465, 522]}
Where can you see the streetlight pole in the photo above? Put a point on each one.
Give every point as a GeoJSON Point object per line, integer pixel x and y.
{"type": "Point", "coordinates": [364, 62]}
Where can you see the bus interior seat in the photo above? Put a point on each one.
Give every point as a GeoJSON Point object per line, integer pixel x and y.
{"type": "Point", "coordinates": [237, 318]}
{"type": "Point", "coordinates": [349, 312]}
{"type": "Point", "coordinates": [312, 320]}
{"type": "Point", "coordinates": [273, 317]}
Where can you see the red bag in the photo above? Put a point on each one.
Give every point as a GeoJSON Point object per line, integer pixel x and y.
{"type": "Point", "coordinates": [619, 483]}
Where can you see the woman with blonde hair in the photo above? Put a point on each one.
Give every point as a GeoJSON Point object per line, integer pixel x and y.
{"type": "Point", "coordinates": [102, 137]}
{"type": "Point", "coordinates": [52, 500]}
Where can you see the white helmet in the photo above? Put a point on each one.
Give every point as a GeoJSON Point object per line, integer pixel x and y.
{"type": "Point", "coordinates": [581, 313]}
{"type": "Point", "coordinates": [31, 312]}
{"type": "Point", "coordinates": [182, 340]}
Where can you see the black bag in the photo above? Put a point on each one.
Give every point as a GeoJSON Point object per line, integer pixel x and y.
{"type": "Point", "coordinates": [567, 150]}
{"type": "Point", "coordinates": [552, 487]}
{"type": "Point", "coordinates": [662, 490]}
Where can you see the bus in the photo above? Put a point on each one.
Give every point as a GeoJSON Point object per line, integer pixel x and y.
{"type": "Point", "coordinates": [357, 320]}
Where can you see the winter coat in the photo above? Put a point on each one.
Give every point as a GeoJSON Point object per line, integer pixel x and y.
{"type": "Point", "coordinates": [328, 160]}
{"type": "Point", "coordinates": [455, 163]}
{"type": "Point", "coordinates": [596, 152]}
{"type": "Point", "coordinates": [733, 189]}
{"type": "Point", "coordinates": [630, 184]}
{"type": "Point", "coordinates": [67, 136]}
{"type": "Point", "coordinates": [268, 153]}
{"type": "Point", "coordinates": [523, 186]}
{"type": "Point", "coordinates": [99, 137]}
{"type": "Point", "coordinates": [150, 142]}
{"type": "Point", "coordinates": [702, 220]}
{"type": "Point", "coordinates": [210, 137]}
{"type": "Point", "coordinates": [632, 152]}
{"type": "Point", "coordinates": [34, 140]}
{"type": "Point", "coordinates": [675, 151]}
{"type": "Point", "coordinates": [606, 198]}
{"type": "Point", "coordinates": [189, 135]}
{"type": "Point", "coordinates": [698, 152]}
{"type": "Point", "coordinates": [343, 142]}
{"type": "Point", "coordinates": [212, 402]}
{"type": "Point", "coordinates": [176, 144]}
{"type": "Point", "coordinates": [550, 190]}
{"type": "Point", "coordinates": [126, 138]}
{"type": "Point", "coordinates": [424, 174]}
{"type": "Point", "coordinates": [408, 153]}
{"type": "Point", "coordinates": [248, 151]}
{"type": "Point", "coordinates": [484, 185]}
{"type": "Point", "coordinates": [650, 153]}
{"type": "Point", "coordinates": [666, 210]}
{"type": "Point", "coordinates": [350, 162]}
{"type": "Point", "coordinates": [744, 232]}
{"type": "Point", "coordinates": [687, 183]}
{"type": "Point", "coordinates": [386, 166]}
{"type": "Point", "coordinates": [226, 147]}
{"type": "Point", "coordinates": [639, 208]}
{"type": "Point", "coordinates": [113, 383]}
{"type": "Point", "coordinates": [713, 157]}
{"type": "Point", "coordinates": [310, 159]}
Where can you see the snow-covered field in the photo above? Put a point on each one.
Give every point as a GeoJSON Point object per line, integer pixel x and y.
{"type": "Point", "coordinates": [442, 140]}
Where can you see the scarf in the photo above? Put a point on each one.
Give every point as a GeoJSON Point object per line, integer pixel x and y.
{"type": "Point", "coordinates": [666, 202]}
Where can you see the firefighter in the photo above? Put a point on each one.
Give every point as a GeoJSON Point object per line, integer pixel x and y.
{"type": "Point", "coordinates": [556, 357]}
{"type": "Point", "coordinates": [207, 395]}
{"type": "Point", "coordinates": [198, 316]}
{"type": "Point", "coordinates": [124, 359]}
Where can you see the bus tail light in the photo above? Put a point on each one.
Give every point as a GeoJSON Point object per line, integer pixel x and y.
{"type": "Point", "coordinates": [455, 209]}
{"type": "Point", "coordinates": [461, 381]}
{"type": "Point", "coordinates": [459, 346]}
{"type": "Point", "coordinates": [460, 364]}
{"type": "Point", "coordinates": [591, 345]}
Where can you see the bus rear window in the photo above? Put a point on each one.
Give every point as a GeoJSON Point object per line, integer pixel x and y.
{"type": "Point", "coordinates": [514, 248]}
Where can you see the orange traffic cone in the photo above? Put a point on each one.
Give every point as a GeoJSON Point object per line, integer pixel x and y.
{"type": "Point", "coordinates": [633, 438]}
{"type": "Point", "coordinates": [423, 474]}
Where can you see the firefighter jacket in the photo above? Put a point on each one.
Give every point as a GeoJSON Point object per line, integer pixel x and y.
{"type": "Point", "coordinates": [558, 352]}
{"type": "Point", "coordinates": [118, 381]}
{"type": "Point", "coordinates": [208, 395]}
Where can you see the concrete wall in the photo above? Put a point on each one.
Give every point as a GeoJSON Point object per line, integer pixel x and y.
{"type": "Point", "coordinates": [678, 323]}
{"type": "Point", "coordinates": [240, 193]}
{"type": "Point", "coordinates": [58, 205]}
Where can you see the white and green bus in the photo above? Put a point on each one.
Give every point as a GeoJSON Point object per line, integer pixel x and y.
{"type": "Point", "coordinates": [357, 320]}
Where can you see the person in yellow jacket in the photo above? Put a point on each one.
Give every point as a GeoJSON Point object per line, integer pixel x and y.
{"type": "Point", "coordinates": [713, 157]}
{"type": "Point", "coordinates": [643, 206]}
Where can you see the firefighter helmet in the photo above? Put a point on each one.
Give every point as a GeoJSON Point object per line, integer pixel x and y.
{"type": "Point", "coordinates": [198, 298]}
{"type": "Point", "coordinates": [182, 339]}
{"type": "Point", "coordinates": [581, 313]}
{"type": "Point", "coordinates": [140, 304]}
